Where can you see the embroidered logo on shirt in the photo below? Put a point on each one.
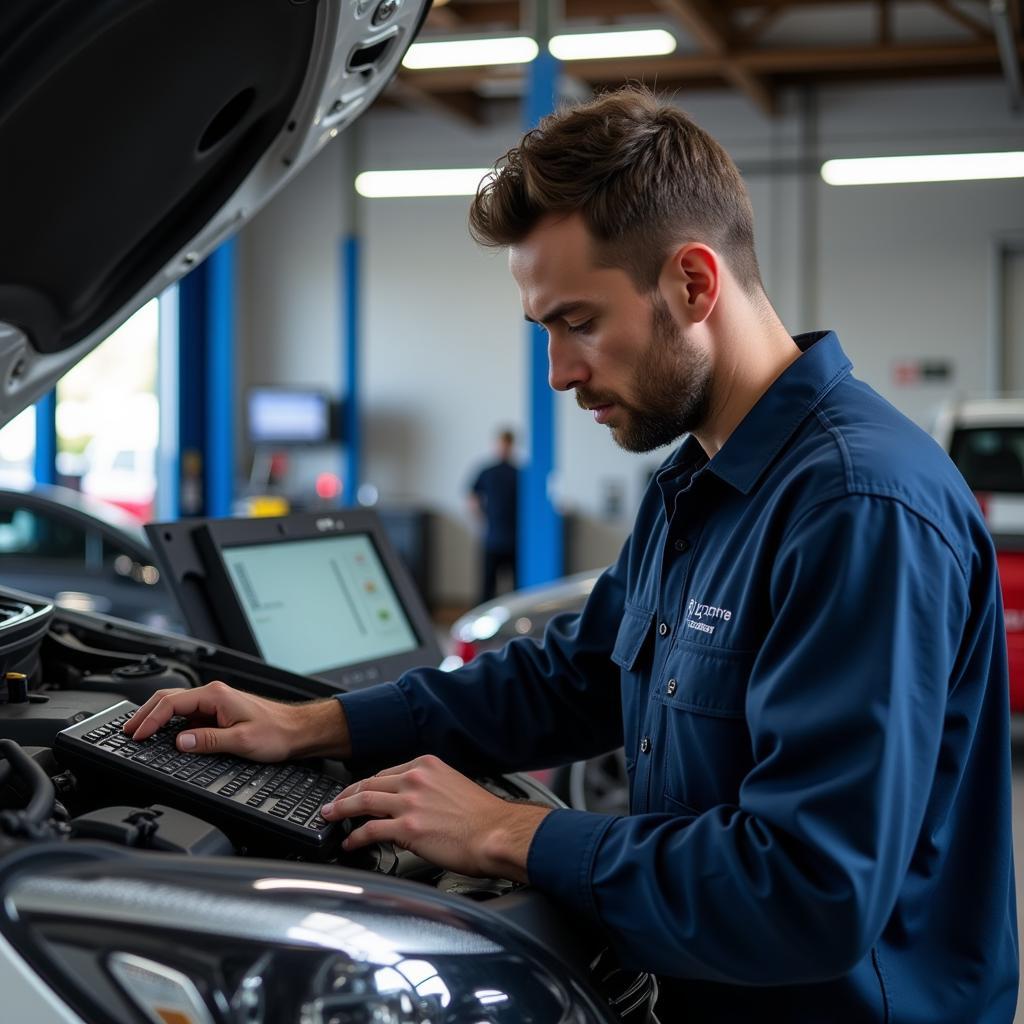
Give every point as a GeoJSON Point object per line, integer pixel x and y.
{"type": "Point", "coordinates": [698, 613]}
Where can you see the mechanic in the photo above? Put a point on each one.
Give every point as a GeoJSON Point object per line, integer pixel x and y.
{"type": "Point", "coordinates": [494, 498]}
{"type": "Point", "coordinates": [801, 645]}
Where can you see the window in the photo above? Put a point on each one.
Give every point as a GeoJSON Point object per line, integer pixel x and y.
{"type": "Point", "coordinates": [990, 458]}
{"type": "Point", "coordinates": [17, 450]}
{"type": "Point", "coordinates": [108, 418]}
{"type": "Point", "coordinates": [26, 533]}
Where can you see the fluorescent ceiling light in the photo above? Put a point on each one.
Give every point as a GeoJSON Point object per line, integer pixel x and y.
{"type": "Point", "coordinates": [467, 53]}
{"type": "Point", "coordinates": [888, 170]}
{"type": "Point", "coordinates": [452, 181]}
{"type": "Point", "coordinates": [653, 42]}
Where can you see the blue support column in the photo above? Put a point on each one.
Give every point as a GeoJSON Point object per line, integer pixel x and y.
{"type": "Point", "coordinates": [206, 328]}
{"type": "Point", "coordinates": [540, 550]}
{"type": "Point", "coordinates": [220, 380]}
{"type": "Point", "coordinates": [45, 463]}
{"type": "Point", "coordinates": [351, 435]}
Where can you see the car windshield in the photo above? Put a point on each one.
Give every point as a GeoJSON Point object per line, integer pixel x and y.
{"type": "Point", "coordinates": [990, 458]}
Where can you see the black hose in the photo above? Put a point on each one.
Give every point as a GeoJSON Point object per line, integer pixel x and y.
{"type": "Point", "coordinates": [43, 796]}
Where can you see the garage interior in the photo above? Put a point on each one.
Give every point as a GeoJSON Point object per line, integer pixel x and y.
{"type": "Point", "coordinates": [379, 317]}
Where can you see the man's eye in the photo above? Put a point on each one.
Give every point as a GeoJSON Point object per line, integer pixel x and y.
{"type": "Point", "coordinates": [581, 328]}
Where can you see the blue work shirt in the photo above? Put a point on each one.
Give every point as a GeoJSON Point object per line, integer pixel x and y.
{"type": "Point", "coordinates": [497, 489]}
{"type": "Point", "coordinates": [802, 648]}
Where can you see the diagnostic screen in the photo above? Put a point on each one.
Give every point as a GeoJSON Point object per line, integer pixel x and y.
{"type": "Point", "coordinates": [278, 416]}
{"type": "Point", "coordinates": [319, 604]}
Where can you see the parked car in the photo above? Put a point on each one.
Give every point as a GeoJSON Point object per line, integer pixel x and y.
{"type": "Point", "coordinates": [985, 438]}
{"type": "Point", "coordinates": [114, 905]}
{"type": "Point", "coordinates": [83, 553]}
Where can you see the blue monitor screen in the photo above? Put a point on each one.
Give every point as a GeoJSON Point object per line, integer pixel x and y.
{"type": "Point", "coordinates": [281, 416]}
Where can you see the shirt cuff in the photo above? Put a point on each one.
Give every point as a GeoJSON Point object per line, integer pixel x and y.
{"type": "Point", "coordinates": [561, 857]}
{"type": "Point", "coordinates": [380, 724]}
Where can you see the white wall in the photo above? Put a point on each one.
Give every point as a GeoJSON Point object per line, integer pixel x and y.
{"type": "Point", "coordinates": [903, 272]}
{"type": "Point", "coordinates": [290, 300]}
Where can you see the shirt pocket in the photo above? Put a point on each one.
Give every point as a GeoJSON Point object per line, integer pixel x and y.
{"type": "Point", "coordinates": [632, 654]}
{"type": "Point", "coordinates": [707, 746]}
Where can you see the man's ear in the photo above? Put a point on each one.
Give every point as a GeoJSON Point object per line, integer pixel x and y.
{"type": "Point", "coordinates": [691, 281]}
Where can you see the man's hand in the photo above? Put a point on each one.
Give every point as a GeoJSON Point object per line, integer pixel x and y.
{"type": "Point", "coordinates": [428, 808]}
{"type": "Point", "coordinates": [239, 723]}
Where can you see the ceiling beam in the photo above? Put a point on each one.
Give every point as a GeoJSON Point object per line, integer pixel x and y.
{"type": "Point", "coordinates": [823, 58]}
{"type": "Point", "coordinates": [977, 28]}
{"type": "Point", "coordinates": [506, 13]}
{"type": "Point", "coordinates": [444, 19]}
{"type": "Point", "coordinates": [712, 30]}
{"type": "Point", "coordinates": [464, 106]}
{"type": "Point", "coordinates": [884, 23]}
{"type": "Point", "coordinates": [757, 28]}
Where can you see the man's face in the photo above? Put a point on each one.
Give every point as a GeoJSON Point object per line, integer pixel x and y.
{"type": "Point", "coordinates": [621, 351]}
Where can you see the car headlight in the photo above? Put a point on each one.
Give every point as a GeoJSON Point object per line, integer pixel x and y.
{"type": "Point", "coordinates": [123, 937]}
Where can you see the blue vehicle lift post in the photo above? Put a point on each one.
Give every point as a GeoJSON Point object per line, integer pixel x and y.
{"type": "Point", "coordinates": [540, 542]}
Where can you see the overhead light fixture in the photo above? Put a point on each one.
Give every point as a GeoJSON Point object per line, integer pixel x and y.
{"type": "Point", "coordinates": [468, 53]}
{"type": "Point", "coordinates": [892, 170]}
{"type": "Point", "coordinates": [452, 181]}
{"type": "Point", "coordinates": [651, 42]}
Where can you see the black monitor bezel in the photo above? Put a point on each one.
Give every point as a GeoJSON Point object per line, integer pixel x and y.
{"type": "Point", "coordinates": [331, 413]}
{"type": "Point", "coordinates": [193, 552]}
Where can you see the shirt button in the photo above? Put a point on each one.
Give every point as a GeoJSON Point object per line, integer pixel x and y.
{"type": "Point", "coordinates": [671, 688]}
{"type": "Point", "coordinates": [645, 745]}
{"type": "Point", "coordinates": [682, 545]}
{"type": "Point", "coordinates": [663, 629]}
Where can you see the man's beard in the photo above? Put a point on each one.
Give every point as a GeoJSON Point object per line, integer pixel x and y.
{"type": "Point", "coordinates": [672, 389]}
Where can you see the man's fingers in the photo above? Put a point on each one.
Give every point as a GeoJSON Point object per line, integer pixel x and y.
{"type": "Point", "coordinates": [206, 741]}
{"type": "Point", "coordinates": [160, 709]}
{"type": "Point", "coordinates": [140, 714]}
{"type": "Point", "coordinates": [379, 783]}
{"type": "Point", "coordinates": [376, 830]}
{"type": "Point", "coordinates": [399, 769]}
{"type": "Point", "coordinates": [375, 803]}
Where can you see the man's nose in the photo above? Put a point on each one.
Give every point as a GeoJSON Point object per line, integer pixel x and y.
{"type": "Point", "coordinates": [566, 368]}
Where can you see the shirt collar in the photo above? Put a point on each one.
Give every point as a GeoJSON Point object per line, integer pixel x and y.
{"type": "Point", "coordinates": [764, 431]}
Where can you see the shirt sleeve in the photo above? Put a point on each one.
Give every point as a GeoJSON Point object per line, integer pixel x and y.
{"type": "Point", "coordinates": [526, 706]}
{"type": "Point", "coordinates": [845, 708]}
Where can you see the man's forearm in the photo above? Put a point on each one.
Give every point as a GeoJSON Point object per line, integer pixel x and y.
{"type": "Point", "coordinates": [320, 729]}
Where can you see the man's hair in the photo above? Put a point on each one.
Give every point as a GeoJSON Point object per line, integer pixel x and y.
{"type": "Point", "coordinates": [506, 436]}
{"type": "Point", "coordinates": [645, 178]}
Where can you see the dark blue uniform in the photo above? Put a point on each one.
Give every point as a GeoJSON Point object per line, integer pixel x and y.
{"type": "Point", "coordinates": [802, 648]}
{"type": "Point", "coordinates": [497, 489]}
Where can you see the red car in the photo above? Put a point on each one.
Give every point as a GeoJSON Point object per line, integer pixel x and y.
{"type": "Point", "coordinates": [985, 438]}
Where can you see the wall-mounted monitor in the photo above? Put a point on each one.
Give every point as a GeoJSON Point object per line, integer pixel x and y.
{"type": "Point", "coordinates": [280, 416]}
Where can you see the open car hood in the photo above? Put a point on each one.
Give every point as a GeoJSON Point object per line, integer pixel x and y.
{"type": "Point", "coordinates": [137, 135]}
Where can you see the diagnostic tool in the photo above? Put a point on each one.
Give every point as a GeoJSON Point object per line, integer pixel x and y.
{"type": "Point", "coordinates": [321, 594]}
{"type": "Point", "coordinates": [267, 804]}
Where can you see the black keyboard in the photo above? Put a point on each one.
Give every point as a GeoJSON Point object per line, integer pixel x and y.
{"type": "Point", "coordinates": [273, 802]}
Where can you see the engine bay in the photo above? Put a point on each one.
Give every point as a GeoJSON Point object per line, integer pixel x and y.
{"type": "Point", "coordinates": [62, 668]}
